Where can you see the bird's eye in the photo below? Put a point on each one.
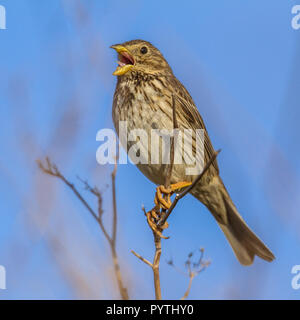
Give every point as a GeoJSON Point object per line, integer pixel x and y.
{"type": "Point", "coordinates": [144, 50]}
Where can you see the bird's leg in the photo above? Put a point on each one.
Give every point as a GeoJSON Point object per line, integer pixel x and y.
{"type": "Point", "coordinates": [162, 190]}
{"type": "Point", "coordinates": [159, 199]}
{"type": "Point", "coordinates": [162, 201]}
{"type": "Point", "coordinates": [180, 185]}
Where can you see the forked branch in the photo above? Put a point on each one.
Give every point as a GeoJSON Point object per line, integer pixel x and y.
{"type": "Point", "coordinates": [51, 169]}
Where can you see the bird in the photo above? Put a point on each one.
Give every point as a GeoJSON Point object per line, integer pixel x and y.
{"type": "Point", "coordinates": [143, 98]}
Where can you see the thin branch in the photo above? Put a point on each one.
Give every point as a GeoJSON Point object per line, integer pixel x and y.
{"type": "Point", "coordinates": [142, 259]}
{"type": "Point", "coordinates": [193, 269]}
{"type": "Point", "coordinates": [156, 262]}
{"type": "Point", "coordinates": [52, 170]}
{"type": "Point", "coordinates": [123, 290]}
{"type": "Point", "coordinates": [166, 213]}
{"type": "Point", "coordinates": [112, 239]}
{"type": "Point", "coordinates": [171, 263]}
{"type": "Point", "coordinates": [188, 189]}
{"type": "Point", "coordinates": [172, 149]}
{"type": "Point", "coordinates": [96, 193]}
{"type": "Point", "coordinates": [192, 276]}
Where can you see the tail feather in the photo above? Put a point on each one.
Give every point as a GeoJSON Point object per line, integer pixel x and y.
{"type": "Point", "coordinates": [245, 244]}
{"type": "Point", "coordinates": [242, 239]}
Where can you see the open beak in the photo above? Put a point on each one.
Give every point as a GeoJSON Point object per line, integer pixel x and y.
{"type": "Point", "coordinates": [126, 61]}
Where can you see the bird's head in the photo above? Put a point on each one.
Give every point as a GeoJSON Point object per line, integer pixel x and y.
{"type": "Point", "coordinates": [141, 57]}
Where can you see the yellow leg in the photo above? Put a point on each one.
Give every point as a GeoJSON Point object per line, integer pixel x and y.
{"type": "Point", "coordinates": [180, 185]}
{"type": "Point", "coordinates": [159, 200]}
{"type": "Point", "coordinates": [165, 203]}
{"type": "Point", "coordinates": [160, 190]}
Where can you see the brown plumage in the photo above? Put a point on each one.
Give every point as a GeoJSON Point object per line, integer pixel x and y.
{"type": "Point", "coordinates": [143, 98]}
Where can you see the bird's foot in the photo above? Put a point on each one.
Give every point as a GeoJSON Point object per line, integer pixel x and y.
{"type": "Point", "coordinates": [163, 201]}
{"type": "Point", "coordinates": [161, 191]}
{"type": "Point", "coordinates": [152, 219]}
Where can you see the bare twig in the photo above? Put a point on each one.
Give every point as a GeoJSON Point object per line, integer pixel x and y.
{"type": "Point", "coordinates": [193, 269]}
{"type": "Point", "coordinates": [172, 149]}
{"type": "Point", "coordinates": [155, 267]}
{"type": "Point", "coordinates": [122, 289]}
{"type": "Point", "coordinates": [52, 170]}
{"type": "Point", "coordinates": [192, 276]}
{"type": "Point", "coordinates": [142, 259]}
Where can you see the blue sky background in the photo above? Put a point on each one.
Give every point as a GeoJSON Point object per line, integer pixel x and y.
{"type": "Point", "coordinates": [240, 62]}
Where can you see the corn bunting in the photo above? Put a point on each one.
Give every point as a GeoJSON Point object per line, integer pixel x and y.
{"type": "Point", "coordinates": [143, 98]}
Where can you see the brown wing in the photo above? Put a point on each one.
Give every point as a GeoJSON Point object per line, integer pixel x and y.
{"type": "Point", "coordinates": [192, 117]}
